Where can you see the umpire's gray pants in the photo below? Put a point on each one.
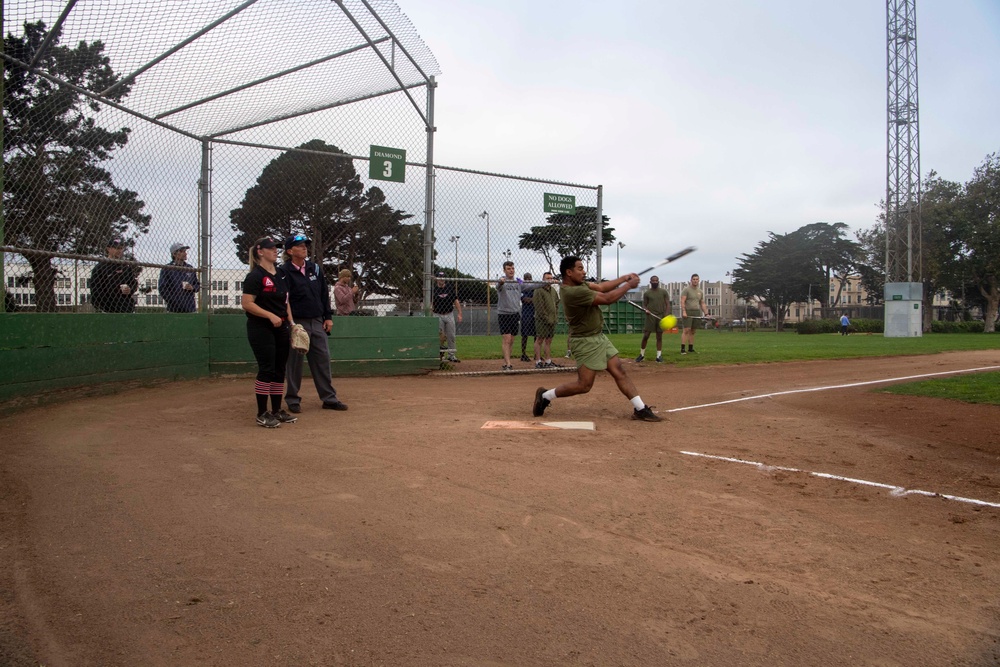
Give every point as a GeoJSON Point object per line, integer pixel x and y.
{"type": "Point", "coordinates": [446, 323]}
{"type": "Point", "coordinates": [319, 365]}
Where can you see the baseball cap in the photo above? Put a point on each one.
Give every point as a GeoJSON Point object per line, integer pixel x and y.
{"type": "Point", "coordinates": [268, 242]}
{"type": "Point", "coordinates": [440, 274]}
{"type": "Point", "coordinates": [178, 246]}
{"type": "Point", "coordinates": [116, 242]}
{"type": "Point", "coordinates": [296, 239]}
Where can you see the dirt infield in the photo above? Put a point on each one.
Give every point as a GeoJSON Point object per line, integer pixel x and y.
{"type": "Point", "coordinates": [161, 527]}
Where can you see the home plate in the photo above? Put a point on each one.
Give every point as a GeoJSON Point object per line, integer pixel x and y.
{"type": "Point", "coordinates": [540, 426]}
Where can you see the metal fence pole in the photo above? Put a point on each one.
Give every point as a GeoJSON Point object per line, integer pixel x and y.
{"type": "Point", "coordinates": [205, 210]}
{"type": "Point", "coordinates": [429, 200]}
{"type": "Point", "coordinates": [599, 235]}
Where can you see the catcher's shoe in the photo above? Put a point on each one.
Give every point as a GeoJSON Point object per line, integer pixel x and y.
{"type": "Point", "coordinates": [267, 420]}
{"type": "Point", "coordinates": [284, 417]}
{"type": "Point", "coordinates": [646, 415]}
{"type": "Point", "coordinates": [538, 409]}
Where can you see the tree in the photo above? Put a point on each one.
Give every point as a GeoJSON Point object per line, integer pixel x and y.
{"type": "Point", "coordinates": [57, 197]}
{"type": "Point", "coordinates": [564, 235]}
{"type": "Point", "coordinates": [308, 191]}
{"type": "Point", "coordinates": [973, 237]}
{"type": "Point", "coordinates": [778, 273]}
{"type": "Point", "coordinates": [834, 255]}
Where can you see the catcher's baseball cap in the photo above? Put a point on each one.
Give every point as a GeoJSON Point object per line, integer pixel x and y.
{"type": "Point", "coordinates": [267, 242]}
{"type": "Point", "coordinates": [178, 246]}
{"type": "Point", "coordinates": [296, 239]}
{"type": "Point", "coordinates": [116, 242]}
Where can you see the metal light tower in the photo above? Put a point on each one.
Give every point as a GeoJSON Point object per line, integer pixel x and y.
{"type": "Point", "coordinates": [903, 271]}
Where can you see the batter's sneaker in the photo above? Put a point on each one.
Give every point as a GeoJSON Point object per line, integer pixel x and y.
{"type": "Point", "coordinates": [284, 417]}
{"type": "Point", "coordinates": [645, 415]}
{"type": "Point", "coordinates": [267, 420]}
{"type": "Point", "coordinates": [538, 409]}
{"type": "Point", "coordinates": [639, 358]}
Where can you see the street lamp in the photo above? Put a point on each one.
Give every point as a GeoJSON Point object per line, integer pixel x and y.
{"type": "Point", "coordinates": [486, 216]}
{"type": "Point", "coordinates": [618, 261]}
{"type": "Point", "coordinates": [506, 254]}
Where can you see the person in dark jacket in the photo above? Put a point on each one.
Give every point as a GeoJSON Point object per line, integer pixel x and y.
{"type": "Point", "coordinates": [309, 299]}
{"type": "Point", "coordinates": [113, 286]}
{"type": "Point", "coordinates": [178, 287]}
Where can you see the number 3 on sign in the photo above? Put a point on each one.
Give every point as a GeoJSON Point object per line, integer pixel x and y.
{"type": "Point", "coordinates": [387, 164]}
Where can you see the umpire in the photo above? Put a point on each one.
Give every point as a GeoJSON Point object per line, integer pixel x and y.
{"type": "Point", "coordinates": [309, 298]}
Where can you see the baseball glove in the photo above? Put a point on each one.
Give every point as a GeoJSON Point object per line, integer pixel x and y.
{"type": "Point", "coordinates": [300, 339]}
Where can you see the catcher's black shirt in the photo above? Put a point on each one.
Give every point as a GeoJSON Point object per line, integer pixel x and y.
{"type": "Point", "coordinates": [270, 291]}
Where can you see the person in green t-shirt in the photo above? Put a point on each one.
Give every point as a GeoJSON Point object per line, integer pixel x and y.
{"type": "Point", "coordinates": [692, 308]}
{"type": "Point", "coordinates": [656, 301]}
{"type": "Point", "coordinates": [592, 350]}
{"type": "Point", "coordinates": [546, 301]}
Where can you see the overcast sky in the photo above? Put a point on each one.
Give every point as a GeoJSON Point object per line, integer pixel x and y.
{"type": "Point", "coordinates": [708, 124]}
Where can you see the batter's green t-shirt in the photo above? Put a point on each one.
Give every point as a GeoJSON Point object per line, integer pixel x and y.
{"type": "Point", "coordinates": [582, 316]}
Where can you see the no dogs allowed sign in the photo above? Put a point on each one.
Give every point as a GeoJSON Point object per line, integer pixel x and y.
{"type": "Point", "coordinates": [560, 203]}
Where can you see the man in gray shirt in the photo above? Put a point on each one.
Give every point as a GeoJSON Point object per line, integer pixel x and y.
{"type": "Point", "coordinates": [508, 310]}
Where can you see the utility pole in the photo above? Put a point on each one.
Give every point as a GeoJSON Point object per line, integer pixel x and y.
{"type": "Point", "coordinates": [903, 234]}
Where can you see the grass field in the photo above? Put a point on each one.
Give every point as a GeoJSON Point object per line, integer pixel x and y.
{"type": "Point", "coordinates": [724, 347]}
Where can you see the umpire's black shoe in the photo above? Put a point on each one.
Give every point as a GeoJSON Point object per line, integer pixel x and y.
{"type": "Point", "coordinates": [646, 415]}
{"type": "Point", "coordinates": [538, 409]}
{"type": "Point", "coordinates": [294, 408]}
{"type": "Point", "coordinates": [334, 405]}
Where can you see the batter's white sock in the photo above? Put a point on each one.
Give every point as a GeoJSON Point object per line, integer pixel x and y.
{"type": "Point", "coordinates": [550, 395]}
{"type": "Point", "coordinates": [637, 403]}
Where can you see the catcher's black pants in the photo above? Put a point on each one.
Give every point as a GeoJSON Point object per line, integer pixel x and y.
{"type": "Point", "coordinates": [270, 345]}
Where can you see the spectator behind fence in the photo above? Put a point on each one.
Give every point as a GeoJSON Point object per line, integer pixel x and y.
{"type": "Point", "coordinates": [447, 307]}
{"type": "Point", "coordinates": [112, 285]}
{"type": "Point", "coordinates": [344, 293]}
{"type": "Point", "coordinates": [179, 287]}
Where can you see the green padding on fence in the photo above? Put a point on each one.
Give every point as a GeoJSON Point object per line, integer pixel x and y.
{"type": "Point", "coordinates": [46, 352]}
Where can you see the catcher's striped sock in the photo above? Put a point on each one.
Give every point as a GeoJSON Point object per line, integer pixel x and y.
{"type": "Point", "coordinates": [277, 392]}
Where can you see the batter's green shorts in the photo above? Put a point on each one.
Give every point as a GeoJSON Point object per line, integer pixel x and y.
{"type": "Point", "coordinates": [593, 352]}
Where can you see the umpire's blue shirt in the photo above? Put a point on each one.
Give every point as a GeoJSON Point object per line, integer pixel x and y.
{"type": "Point", "coordinates": [308, 293]}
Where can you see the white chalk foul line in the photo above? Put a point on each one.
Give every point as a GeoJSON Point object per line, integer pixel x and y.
{"type": "Point", "coordinates": [836, 386]}
{"type": "Point", "coordinates": [897, 491]}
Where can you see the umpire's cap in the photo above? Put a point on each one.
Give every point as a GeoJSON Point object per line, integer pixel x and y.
{"type": "Point", "coordinates": [296, 239]}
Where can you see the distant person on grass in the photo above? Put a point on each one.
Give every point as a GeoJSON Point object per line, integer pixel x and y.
{"type": "Point", "coordinates": [692, 308]}
{"type": "Point", "coordinates": [845, 324]}
{"type": "Point", "coordinates": [591, 348]}
{"type": "Point", "coordinates": [657, 301]}
{"type": "Point", "coordinates": [447, 307]}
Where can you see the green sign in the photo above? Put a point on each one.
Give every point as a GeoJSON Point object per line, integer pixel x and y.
{"type": "Point", "coordinates": [560, 203]}
{"type": "Point", "coordinates": [387, 164]}
{"type": "Point", "coordinates": [897, 297]}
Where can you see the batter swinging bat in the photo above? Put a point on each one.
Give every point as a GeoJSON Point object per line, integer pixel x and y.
{"type": "Point", "coordinates": [672, 258]}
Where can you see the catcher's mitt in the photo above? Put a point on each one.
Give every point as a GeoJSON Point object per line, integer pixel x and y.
{"type": "Point", "coordinates": [300, 339]}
